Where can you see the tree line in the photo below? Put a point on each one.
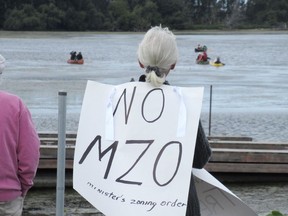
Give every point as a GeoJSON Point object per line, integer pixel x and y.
{"type": "Point", "coordinates": [139, 15]}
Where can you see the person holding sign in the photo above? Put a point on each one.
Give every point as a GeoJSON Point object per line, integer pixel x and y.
{"type": "Point", "coordinates": [158, 54]}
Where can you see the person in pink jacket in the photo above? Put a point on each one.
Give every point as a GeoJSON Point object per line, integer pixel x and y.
{"type": "Point", "coordinates": [19, 152]}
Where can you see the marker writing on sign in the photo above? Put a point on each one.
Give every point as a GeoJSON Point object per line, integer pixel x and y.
{"type": "Point", "coordinates": [113, 148]}
{"type": "Point", "coordinates": [158, 92]}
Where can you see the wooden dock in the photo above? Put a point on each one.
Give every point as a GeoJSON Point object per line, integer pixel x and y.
{"type": "Point", "coordinates": [248, 161]}
{"type": "Point", "coordinates": [233, 159]}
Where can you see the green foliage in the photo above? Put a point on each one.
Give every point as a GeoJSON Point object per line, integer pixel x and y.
{"type": "Point", "coordinates": [27, 18]}
{"type": "Point", "coordinates": [119, 12]}
{"type": "Point", "coordinates": [275, 213]}
{"type": "Point", "coordinates": [75, 20]}
{"type": "Point", "coordinates": [139, 15]}
{"type": "Point", "coordinates": [51, 16]}
{"type": "Point", "coordinates": [270, 13]}
{"type": "Point", "coordinates": [146, 16]}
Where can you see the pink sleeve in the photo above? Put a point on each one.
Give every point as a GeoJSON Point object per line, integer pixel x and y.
{"type": "Point", "coordinates": [28, 150]}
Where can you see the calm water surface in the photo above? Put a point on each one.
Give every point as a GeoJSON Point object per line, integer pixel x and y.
{"type": "Point", "coordinates": [249, 93]}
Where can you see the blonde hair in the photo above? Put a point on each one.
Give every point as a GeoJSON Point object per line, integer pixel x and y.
{"type": "Point", "coordinates": [158, 50]}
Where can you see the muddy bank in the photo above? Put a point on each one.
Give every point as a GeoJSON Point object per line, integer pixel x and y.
{"type": "Point", "coordinates": [42, 202]}
{"type": "Point", "coordinates": [262, 198]}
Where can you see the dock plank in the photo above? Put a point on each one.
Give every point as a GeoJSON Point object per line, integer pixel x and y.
{"type": "Point", "coordinates": [52, 164]}
{"type": "Point", "coordinates": [229, 155]}
{"type": "Point", "coordinates": [247, 168]}
{"type": "Point", "coordinates": [249, 156]}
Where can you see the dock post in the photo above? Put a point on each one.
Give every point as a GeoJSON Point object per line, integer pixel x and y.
{"type": "Point", "coordinates": [61, 154]}
{"type": "Point", "coordinates": [210, 110]}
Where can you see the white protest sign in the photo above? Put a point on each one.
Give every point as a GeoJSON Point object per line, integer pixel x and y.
{"type": "Point", "coordinates": [217, 200]}
{"type": "Point", "coordinates": [135, 147]}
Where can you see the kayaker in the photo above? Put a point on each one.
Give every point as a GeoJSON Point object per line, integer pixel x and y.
{"type": "Point", "coordinates": [79, 56]}
{"type": "Point", "coordinates": [217, 60]}
{"type": "Point", "coordinates": [202, 57]}
{"type": "Point", "coordinates": [205, 48]}
{"type": "Point", "coordinates": [73, 55]}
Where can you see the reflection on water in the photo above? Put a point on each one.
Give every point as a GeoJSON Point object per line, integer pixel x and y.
{"type": "Point", "coordinates": [252, 81]}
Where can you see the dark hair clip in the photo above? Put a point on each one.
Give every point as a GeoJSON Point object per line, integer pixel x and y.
{"type": "Point", "coordinates": [155, 69]}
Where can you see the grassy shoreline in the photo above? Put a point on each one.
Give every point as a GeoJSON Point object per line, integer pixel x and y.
{"type": "Point", "coordinates": [177, 32]}
{"type": "Point", "coordinates": [236, 31]}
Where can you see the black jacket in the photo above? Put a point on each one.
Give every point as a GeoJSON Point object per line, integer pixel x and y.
{"type": "Point", "coordinates": [201, 157]}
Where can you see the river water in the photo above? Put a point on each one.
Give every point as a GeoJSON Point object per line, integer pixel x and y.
{"type": "Point", "coordinates": [249, 96]}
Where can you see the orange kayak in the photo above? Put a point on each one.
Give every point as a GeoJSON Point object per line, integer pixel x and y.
{"type": "Point", "coordinates": [81, 61]}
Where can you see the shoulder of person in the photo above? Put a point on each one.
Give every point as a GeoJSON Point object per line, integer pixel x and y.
{"type": "Point", "coordinates": [9, 98]}
{"type": "Point", "coordinates": [142, 78]}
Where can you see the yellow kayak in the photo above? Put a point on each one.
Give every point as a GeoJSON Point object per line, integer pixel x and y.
{"type": "Point", "coordinates": [216, 64]}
